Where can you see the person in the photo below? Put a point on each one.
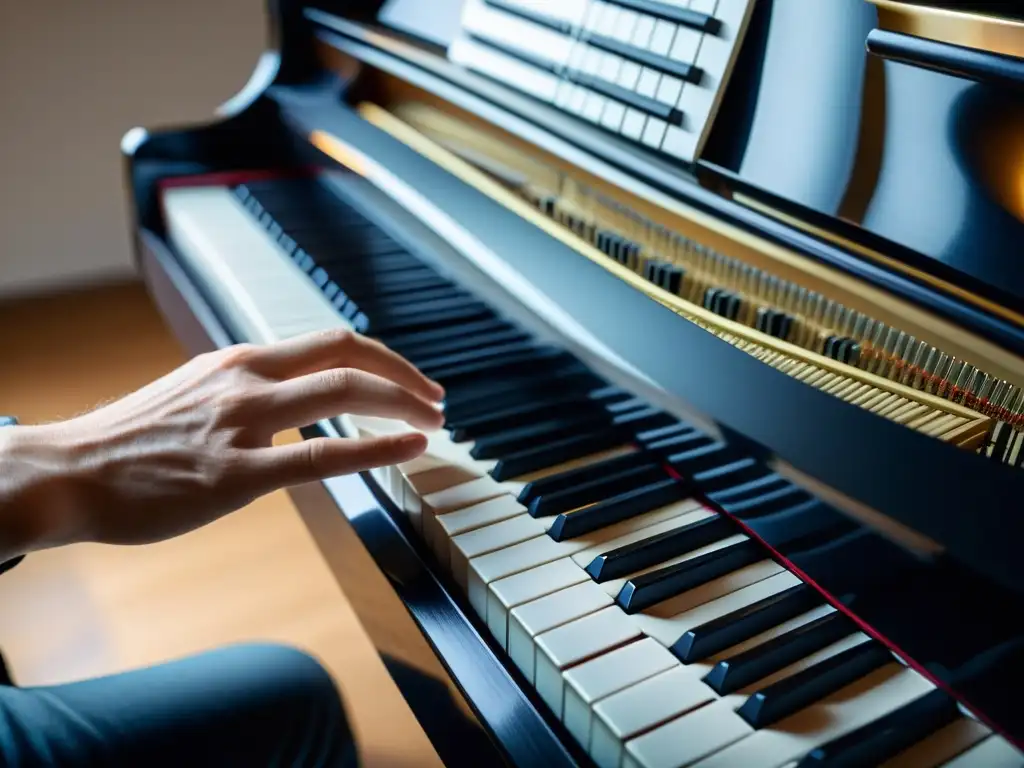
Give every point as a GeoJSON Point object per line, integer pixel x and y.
{"type": "Point", "coordinates": [174, 456]}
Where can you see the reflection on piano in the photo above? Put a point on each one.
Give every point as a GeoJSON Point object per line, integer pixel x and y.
{"type": "Point", "coordinates": [727, 298]}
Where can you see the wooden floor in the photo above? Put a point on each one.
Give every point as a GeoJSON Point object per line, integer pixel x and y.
{"type": "Point", "coordinates": [256, 575]}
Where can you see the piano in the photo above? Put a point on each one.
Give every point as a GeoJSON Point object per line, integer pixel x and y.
{"type": "Point", "coordinates": [728, 300]}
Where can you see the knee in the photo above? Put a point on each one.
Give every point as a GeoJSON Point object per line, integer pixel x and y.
{"type": "Point", "coordinates": [294, 674]}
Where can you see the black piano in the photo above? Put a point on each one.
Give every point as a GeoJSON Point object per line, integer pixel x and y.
{"type": "Point", "coordinates": [728, 300]}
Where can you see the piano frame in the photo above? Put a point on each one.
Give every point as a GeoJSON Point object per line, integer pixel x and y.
{"type": "Point", "coordinates": [490, 716]}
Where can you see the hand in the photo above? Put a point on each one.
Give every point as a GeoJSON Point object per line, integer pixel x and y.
{"type": "Point", "coordinates": [198, 443]}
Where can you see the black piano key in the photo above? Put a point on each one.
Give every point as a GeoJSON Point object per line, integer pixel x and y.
{"type": "Point", "coordinates": [773, 501]}
{"type": "Point", "coordinates": [670, 431]}
{"type": "Point", "coordinates": [320, 277]}
{"type": "Point", "coordinates": [392, 302]}
{"type": "Point", "coordinates": [886, 737]}
{"type": "Point", "coordinates": [484, 397]}
{"type": "Point", "coordinates": [508, 335]}
{"type": "Point", "coordinates": [710, 296]}
{"type": "Point", "coordinates": [597, 488]}
{"type": "Point", "coordinates": [801, 527]}
{"type": "Point", "coordinates": [532, 412]}
{"type": "Point", "coordinates": [551, 22]}
{"type": "Point", "coordinates": [744, 623]}
{"type": "Point", "coordinates": [729, 675]}
{"type": "Point", "coordinates": [304, 261]}
{"type": "Point", "coordinates": [572, 478]}
{"type": "Point", "coordinates": [675, 279]}
{"type": "Point", "coordinates": [402, 309]}
{"type": "Point", "coordinates": [688, 18]}
{"type": "Point", "coordinates": [379, 286]}
{"type": "Point", "coordinates": [648, 552]}
{"type": "Point", "coordinates": [527, 363]}
{"type": "Point", "coordinates": [525, 436]}
{"type": "Point", "coordinates": [441, 335]}
{"type": "Point", "coordinates": [679, 443]}
{"type": "Point", "coordinates": [475, 355]}
{"type": "Point", "coordinates": [559, 452]}
{"type": "Point", "coordinates": [651, 588]}
{"type": "Point", "coordinates": [729, 475]}
{"type": "Point", "coordinates": [404, 324]}
{"type": "Point", "coordinates": [749, 490]}
{"type": "Point", "coordinates": [360, 323]}
{"type": "Point", "coordinates": [793, 693]}
{"type": "Point", "coordinates": [700, 459]}
{"type": "Point", "coordinates": [572, 525]}
{"type": "Point", "coordinates": [685, 72]}
{"type": "Point", "coordinates": [643, 419]}
{"type": "Point", "coordinates": [628, 97]}
{"type": "Point", "coordinates": [331, 290]}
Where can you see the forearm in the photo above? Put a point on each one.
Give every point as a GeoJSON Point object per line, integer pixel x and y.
{"type": "Point", "coordinates": [35, 490]}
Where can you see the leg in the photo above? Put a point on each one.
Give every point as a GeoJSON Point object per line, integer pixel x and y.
{"type": "Point", "coordinates": [250, 705]}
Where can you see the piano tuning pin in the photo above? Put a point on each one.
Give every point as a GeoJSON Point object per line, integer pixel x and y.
{"type": "Point", "coordinates": [926, 376]}
{"type": "Point", "coordinates": [993, 401]}
{"type": "Point", "coordinates": [963, 382]}
{"type": "Point", "coordinates": [916, 362]}
{"type": "Point", "coordinates": [975, 397]}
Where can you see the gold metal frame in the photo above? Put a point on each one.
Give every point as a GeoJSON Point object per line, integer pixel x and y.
{"type": "Point", "coordinates": [969, 30]}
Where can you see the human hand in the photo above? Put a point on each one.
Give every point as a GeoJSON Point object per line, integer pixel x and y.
{"type": "Point", "coordinates": [198, 443]}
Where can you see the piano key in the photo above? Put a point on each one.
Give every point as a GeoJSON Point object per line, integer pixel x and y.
{"type": "Point", "coordinates": [507, 70]}
{"type": "Point", "coordinates": [801, 527]}
{"type": "Point", "coordinates": [443, 529]}
{"type": "Point", "coordinates": [557, 452]}
{"type": "Point", "coordinates": [623, 715]}
{"type": "Point", "coordinates": [565, 481]}
{"type": "Point", "coordinates": [543, 549]}
{"type": "Point", "coordinates": [659, 547]}
{"type": "Point", "coordinates": [641, 474]}
{"type": "Point", "coordinates": [594, 680]}
{"type": "Point", "coordinates": [729, 475]}
{"type": "Point", "coordinates": [785, 697]}
{"type": "Point", "coordinates": [941, 746]}
{"type": "Point", "coordinates": [491, 538]}
{"type": "Point", "coordinates": [563, 647]}
{"type": "Point", "coordinates": [555, 23]}
{"type": "Point", "coordinates": [790, 739]}
{"type": "Point", "coordinates": [768, 503]}
{"type": "Point", "coordinates": [505, 335]}
{"type": "Point", "coordinates": [571, 525]}
{"type": "Point", "coordinates": [674, 13]}
{"type": "Point", "coordinates": [686, 513]}
{"type": "Point", "coordinates": [417, 339]}
{"type": "Point", "coordinates": [534, 43]}
{"type": "Point", "coordinates": [643, 591]}
{"type": "Point", "coordinates": [476, 354]}
{"type": "Point", "coordinates": [993, 752]}
{"type": "Point", "coordinates": [825, 625]}
{"type": "Point", "coordinates": [521, 588]}
{"type": "Point", "coordinates": [527, 622]}
{"type": "Point", "coordinates": [525, 436]}
{"type": "Point", "coordinates": [689, 738]}
{"type": "Point", "coordinates": [744, 622]}
{"type": "Point", "coordinates": [683, 69]}
{"type": "Point", "coordinates": [633, 99]}
{"type": "Point", "coordinates": [888, 735]}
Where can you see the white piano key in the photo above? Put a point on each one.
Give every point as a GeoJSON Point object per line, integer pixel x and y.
{"type": "Point", "coordinates": [871, 697]}
{"type": "Point", "coordinates": [629, 75]}
{"type": "Point", "coordinates": [594, 680]}
{"type": "Point", "coordinates": [454, 498]}
{"type": "Point", "coordinates": [608, 20]}
{"type": "Point", "coordinates": [593, 107]}
{"type": "Point", "coordinates": [691, 737]}
{"type": "Point", "coordinates": [626, 25]}
{"type": "Point", "coordinates": [613, 115]}
{"type": "Point", "coordinates": [647, 85]}
{"type": "Point", "coordinates": [528, 621]}
{"type": "Point", "coordinates": [639, 708]}
{"type": "Point", "coordinates": [444, 528]}
{"type": "Point", "coordinates": [681, 142]}
{"type": "Point", "coordinates": [491, 538]}
{"type": "Point", "coordinates": [570, 644]}
{"type": "Point", "coordinates": [685, 46]}
{"type": "Point", "coordinates": [594, 13]}
{"type": "Point", "coordinates": [941, 746]}
{"type": "Point", "coordinates": [669, 90]}
{"type": "Point", "coordinates": [993, 752]}
{"type": "Point", "coordinates": [506, 69]}
{"type": "Point", "coordinates": [654, 132]}
{"type": "Point", "coordinates": [578, 100]}
{"type": "Point", "coordinates": [710, 7]}
{"type": "Point", "coordinates": [592, 59]}
{"type": "Point", "coordinates": [643, 31]}
{"type": "Point", "coordinates": [633, 124]}
{"type": "Point", "coordinates": [609, 67]}
{"type": "Point", "coordinates": [564, 93]}
{"type": "Point", "coordinates": [521, 588]}
{"type": "Point", "coordinates": [661, 39]}
{"type": "Point", "coordinates": [572, 11]}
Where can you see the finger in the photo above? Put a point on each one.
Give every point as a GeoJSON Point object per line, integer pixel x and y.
{"type": "Point", "coordinates": [324, 457]}
{"type": "Point", "coordinates": [344, 349]}
{"type": "Point", "coordinates": [326, 394]}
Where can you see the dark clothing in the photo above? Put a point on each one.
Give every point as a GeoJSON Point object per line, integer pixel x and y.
{"type": "Point", "coordinates": [247, 705]}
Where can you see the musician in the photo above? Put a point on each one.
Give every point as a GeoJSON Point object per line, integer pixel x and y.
{"type": "Point", "coordinates": [174, 456]}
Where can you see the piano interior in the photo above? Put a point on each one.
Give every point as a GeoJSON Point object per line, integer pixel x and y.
{"type": "Point", "coordinates": [726, 295]}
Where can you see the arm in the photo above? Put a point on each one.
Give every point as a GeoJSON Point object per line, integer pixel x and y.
{"type": "Point", "coordinates": [198, 443]}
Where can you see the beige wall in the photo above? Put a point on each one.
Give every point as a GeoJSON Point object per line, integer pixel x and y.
{"type": "Point", "coordinates": [74, 76]}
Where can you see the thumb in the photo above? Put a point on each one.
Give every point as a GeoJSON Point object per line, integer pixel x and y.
{"type": "Point", "coordinates": [323, 457]}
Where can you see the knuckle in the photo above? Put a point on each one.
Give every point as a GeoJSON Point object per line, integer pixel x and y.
{"type": "Point", "coordinates": [340, 381]}
{"type": "Point", "coordinates": [239, 356]}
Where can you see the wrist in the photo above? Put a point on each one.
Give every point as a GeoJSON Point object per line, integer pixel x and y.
{"type": "Point", "coordinates": [37, 496]}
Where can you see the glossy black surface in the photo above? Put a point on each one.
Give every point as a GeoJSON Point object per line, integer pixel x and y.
{"type": "Point", "coordinates": [921, 159]}
{"type": "Point", "coordinates": [981, 66]}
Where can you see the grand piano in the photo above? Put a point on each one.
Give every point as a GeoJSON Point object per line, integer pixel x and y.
{"type": "Point", "coordinates": [728, 300]}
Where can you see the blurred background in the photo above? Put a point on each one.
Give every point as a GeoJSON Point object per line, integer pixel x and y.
{"type": "Point", "coordinates": [76, 329]}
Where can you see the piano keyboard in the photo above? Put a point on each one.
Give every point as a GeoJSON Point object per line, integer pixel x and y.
{"type": "Point", "coordinates": [567, 513]}
{"type": "Point", "coordinates": [650, 71]}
